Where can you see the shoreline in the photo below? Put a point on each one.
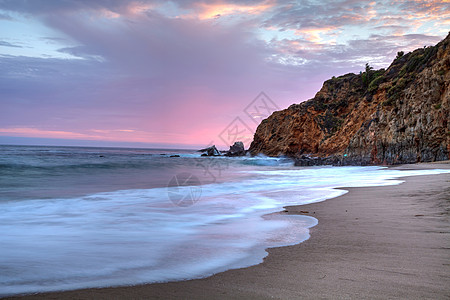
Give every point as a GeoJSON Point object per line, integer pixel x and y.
{"type": "Point", "coordinates": [372, 242]}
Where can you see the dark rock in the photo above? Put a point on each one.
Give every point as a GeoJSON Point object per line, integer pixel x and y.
{"type": "Point", "coordinates": [307, 161]}
{"type": "Point", "coordinates": [210, 151]}
{"type": "Point", "coordinates": [236, 150]}
{"type": "Point", "coordinates": [176, 155]}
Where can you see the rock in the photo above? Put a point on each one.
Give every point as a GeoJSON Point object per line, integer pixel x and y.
{"type": "Point", "coordinates": [398, 115]}
{"type": "Point", "coordinates": [210, 151]}
{"type": "Point", "coordinates": [236, 150]}
{"type": "Point", "coordinates": [307, 161]}
{"type": "Point", "coordinates": [176, 155]}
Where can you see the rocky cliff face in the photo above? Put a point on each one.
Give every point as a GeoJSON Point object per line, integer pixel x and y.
{"type": "Point", "coordinates": [398, 115]}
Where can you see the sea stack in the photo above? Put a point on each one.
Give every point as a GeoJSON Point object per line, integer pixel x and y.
{"type": "Point", "coordinates": [210, 151]}
{"type": "Point", "coordinates": [237, 149]}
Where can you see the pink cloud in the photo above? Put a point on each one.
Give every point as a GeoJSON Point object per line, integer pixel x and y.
{"type": "Point", "coordinates": [142, 74]}
{"type": "Point", "coordinates": [211, 10]}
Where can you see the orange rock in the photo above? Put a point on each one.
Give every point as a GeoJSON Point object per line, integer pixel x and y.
{"type": "Point", "coordinates": [399, 115]}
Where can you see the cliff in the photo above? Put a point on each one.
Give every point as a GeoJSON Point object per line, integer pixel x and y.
{"type": "Point", "coordinates": [397, 115]}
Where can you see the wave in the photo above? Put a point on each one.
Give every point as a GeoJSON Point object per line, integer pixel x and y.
{"type": "Point", "coordinates": [262, 160]}
{"type": "Point", "coordinates": [138, 236]}
{"type": "Point", "coordinates": [134, 236]}
{"type": "Point", "coordinates": [79, 166]}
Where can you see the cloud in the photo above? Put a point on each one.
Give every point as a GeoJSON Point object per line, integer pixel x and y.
{"type": "Point", "coordinates": [79, 51]}
{"type": "Point", "coordinates": [181, 71]}
{"type": "Point", "coordinates": [90, 134]}
{"type": "Point", "coordinates": [378, 50]}
{"type": "Point", "coordinates": [171, 78]}
{"type": "Point", "coordinates": [54, 39]}
{"type": "Point", "coordinates": [215, 9]}
{"type": "Point", "coordinates": [309, 15]}
{"type": "Point", "coordinates": [430, 7]}
{"type": "Point", "coordinates": [24, 131]}
{"type": "Point", "coordinates": [69, 6]}
{"type": "Point", "coordinates": [5, 17]}
{"type": "Point", "coordinates": [391, 29]}
{"type": "Point", "coordinates": [6, 44]}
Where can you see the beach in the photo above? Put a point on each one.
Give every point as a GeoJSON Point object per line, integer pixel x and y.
{"type": "Point", "coordinates": [371, 243]}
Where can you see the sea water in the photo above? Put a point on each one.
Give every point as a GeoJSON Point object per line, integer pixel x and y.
{"type": "Point", "coordinates": [75, 217]}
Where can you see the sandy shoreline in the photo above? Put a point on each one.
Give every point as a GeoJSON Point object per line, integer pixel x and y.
{"type": "Point", "coordinates": [378, 242]}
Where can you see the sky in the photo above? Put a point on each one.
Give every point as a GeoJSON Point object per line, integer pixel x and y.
{"type": "Point", "coordinates": [186, 74]}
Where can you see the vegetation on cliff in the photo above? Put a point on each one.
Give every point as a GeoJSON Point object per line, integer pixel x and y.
{"type": "Point", "coordinates": [397, 115]}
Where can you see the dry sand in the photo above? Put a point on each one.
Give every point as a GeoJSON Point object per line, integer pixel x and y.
{"type": "Point", "coordinates": [372, 243]}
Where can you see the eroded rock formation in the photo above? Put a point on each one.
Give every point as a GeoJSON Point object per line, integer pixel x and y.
{"type": "Point", "coordinates": [210, 151]}
{"type": "Point", "coordinates": [397, 115]}
{"type": "Point", "coordinates": [237, 149]}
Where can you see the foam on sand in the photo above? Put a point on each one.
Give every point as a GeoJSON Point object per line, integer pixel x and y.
{"type": "Point", "coordinates": [137, 236]}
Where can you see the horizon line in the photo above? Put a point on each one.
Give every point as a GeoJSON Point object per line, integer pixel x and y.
{"type": "Point", "coordinates": [57, 142]}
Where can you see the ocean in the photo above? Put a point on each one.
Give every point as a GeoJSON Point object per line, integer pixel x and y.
{"type": "Point", "coordinates": [79, 217]}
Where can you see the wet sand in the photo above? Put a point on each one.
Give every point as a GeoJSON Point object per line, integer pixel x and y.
{"type": "Point", "coordinates": [372, 243]}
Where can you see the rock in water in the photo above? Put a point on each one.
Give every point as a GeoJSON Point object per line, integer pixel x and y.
{"type": "Point", "coordinates": [237, 149]}
{"type": "Point", "coordinates": [398, 115]}
{"type": "Point", "coordinates": [210, 151]}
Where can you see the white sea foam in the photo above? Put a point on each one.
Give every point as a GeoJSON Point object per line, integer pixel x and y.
{"type": "Point", "coordinates": [139, 236]}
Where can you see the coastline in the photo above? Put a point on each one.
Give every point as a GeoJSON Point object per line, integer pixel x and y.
{"type": "Point", "coordinates": [373, 242]}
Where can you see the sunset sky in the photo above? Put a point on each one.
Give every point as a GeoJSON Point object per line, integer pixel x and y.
{"type": "Point", "coordinates": [185, 73]}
